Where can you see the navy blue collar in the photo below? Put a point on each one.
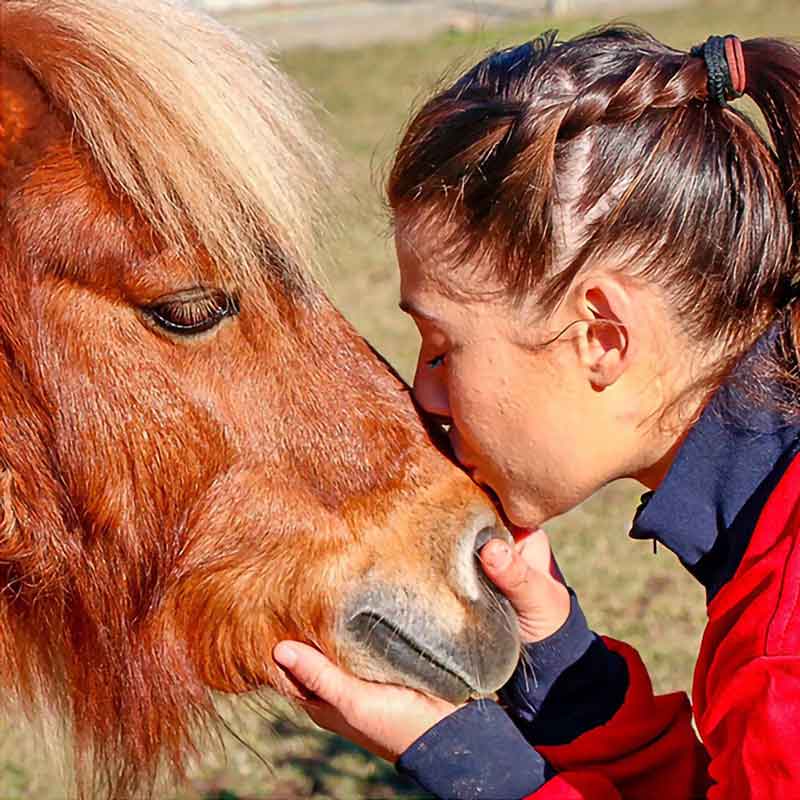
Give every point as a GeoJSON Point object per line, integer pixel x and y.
{"type": "Point", "coordinates": [708, 504]}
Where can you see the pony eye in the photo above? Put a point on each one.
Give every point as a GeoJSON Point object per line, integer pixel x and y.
{"type": "Point", "coordinates": [193, 312]}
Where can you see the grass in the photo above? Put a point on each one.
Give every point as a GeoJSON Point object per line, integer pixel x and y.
{"type": "Point", "coordinates": [364, 98]}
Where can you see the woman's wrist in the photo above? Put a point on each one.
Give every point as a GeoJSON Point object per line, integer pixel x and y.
{"type": "Point", "coordinates": [545, 660]}
{"type": "Point", "coordinates": [565, 685]}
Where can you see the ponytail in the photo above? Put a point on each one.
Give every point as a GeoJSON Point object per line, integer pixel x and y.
{"type": "Point", "coordinates": [773, 82]}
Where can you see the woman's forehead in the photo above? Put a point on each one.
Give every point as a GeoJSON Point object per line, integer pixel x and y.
{"type": "Point", "coordinates": [445, 304]}
{"type": "Point", "coordinates": [430, 262]}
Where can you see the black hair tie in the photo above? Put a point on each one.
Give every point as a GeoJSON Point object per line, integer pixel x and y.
{"type": "Point", "coordinates": [718, 52]}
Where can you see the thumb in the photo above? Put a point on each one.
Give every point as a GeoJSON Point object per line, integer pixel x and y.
{"type": "Point", "coordinates": [314, 671]}
{"type": "Point", "coordinates": [521, 572]}
{"type": "Point", "coordinates": [523, 575]}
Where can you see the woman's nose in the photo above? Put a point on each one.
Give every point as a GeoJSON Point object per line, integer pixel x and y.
{"type": "Point", "coordinates": [430, 389]}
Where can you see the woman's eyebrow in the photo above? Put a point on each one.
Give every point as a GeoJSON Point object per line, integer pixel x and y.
{"type": "Point", "coordinates": [411, 308]}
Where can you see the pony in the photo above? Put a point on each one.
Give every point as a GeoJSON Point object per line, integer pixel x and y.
{"type": "Point", "coordinates": [198, 455]}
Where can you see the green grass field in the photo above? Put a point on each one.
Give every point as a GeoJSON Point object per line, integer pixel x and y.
{"type": "Point", "coordinates": [364, 98]}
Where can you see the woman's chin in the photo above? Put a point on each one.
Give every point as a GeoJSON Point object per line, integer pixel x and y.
{"type": "Point", "coordinates": [519, 519]}
{"type": "Point", "coordinates": [525, 526]}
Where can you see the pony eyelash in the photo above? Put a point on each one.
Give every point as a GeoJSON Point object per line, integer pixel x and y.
{"type": "Point", "coordinates": [191, 315]}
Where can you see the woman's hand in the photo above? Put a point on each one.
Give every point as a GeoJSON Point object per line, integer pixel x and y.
{"type": "Point", "coordinates": [527, 574]}
{"type": "Point", "coordinates": [386, 720]}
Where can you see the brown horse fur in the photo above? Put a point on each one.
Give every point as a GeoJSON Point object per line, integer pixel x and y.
{"type": "Point", "coordinates": [170, 506]}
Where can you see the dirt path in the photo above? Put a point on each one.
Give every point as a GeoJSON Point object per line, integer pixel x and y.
{"type": "Point", "coordinates": [351, 23]}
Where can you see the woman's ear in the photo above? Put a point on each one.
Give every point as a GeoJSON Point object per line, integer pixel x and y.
{"type": "Point", "coordinates": [605, 345]}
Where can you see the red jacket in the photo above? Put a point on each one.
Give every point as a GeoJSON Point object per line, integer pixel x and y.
{"type": "Point", "coordinates": [746, 693]}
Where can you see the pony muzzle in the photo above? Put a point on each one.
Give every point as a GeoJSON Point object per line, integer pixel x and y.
{"type": "Point", "coordinates": [460, 642]}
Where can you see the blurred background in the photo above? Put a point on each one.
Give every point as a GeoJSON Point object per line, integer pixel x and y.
{"type": "Point", "coordinates": [364, 65]}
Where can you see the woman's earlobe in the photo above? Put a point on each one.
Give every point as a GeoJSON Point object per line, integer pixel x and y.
{"type": "Point", "coordinates": [603, 346]}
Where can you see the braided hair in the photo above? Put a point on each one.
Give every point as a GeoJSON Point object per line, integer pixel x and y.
{"type": "Point", "coordinates": [551, 156]}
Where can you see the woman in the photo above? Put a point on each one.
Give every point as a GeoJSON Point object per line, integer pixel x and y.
{"type": "Point", "coordinates": [602, 258]}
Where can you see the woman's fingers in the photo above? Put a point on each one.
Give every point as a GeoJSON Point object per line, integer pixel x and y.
{"type": "Point", "coordinates": [534, 548]}
{"type": "Point", "coordinates": [383, 719]}
{"type": "Point", "coordinates": [508, 571]}
{"type": "Point", "coordinates": [313, 670]}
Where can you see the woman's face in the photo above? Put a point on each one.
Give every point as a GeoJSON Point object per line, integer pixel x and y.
{"type": "Point", "coordinates": [528, 421]}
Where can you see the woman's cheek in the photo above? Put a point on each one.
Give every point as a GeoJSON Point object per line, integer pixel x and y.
{"type": "Point", "coordinates": [472, 419]}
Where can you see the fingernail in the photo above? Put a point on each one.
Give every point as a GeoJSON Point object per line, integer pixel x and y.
{"type": "Point", "coordinates": [285, 655]}
{"type": "Point", "coordinates": [496, 554]}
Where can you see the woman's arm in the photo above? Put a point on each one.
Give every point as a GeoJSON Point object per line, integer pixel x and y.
{"type": "Point", "coordinates": [589, 701]}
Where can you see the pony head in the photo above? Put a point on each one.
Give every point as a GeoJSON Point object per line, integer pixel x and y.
{"type": "Point", "coordinates": [198, 455]}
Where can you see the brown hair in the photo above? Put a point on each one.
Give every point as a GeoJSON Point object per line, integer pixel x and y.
{"type": "Point", "coordinates": [614, 132]}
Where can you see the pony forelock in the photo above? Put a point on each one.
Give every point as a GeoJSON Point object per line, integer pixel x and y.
{"type": "Point", "coordinates": [199, 130]}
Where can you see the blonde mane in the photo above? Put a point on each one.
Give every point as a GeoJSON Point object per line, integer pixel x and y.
{"type": "Point", "coordinates": [207, 139]}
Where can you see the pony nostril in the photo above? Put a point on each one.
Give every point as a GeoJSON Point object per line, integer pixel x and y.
{"type": "Point", "coordinates": [484, 534]}
{"type": "Point", "coordinates": [490, 532]}
{"type": "Point", "coordinates": [467, 575]}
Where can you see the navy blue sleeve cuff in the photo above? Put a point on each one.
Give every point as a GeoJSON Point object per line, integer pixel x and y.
{"type": "Point", "coordinates": [565, 685]}
{"type": "Point", "coordinates": [475, 753]}
{"type": "Point", "coordinates": [543, 662]}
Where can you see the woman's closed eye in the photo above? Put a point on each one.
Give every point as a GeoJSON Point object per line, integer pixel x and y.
{"type": "Point", "coordinates": [436, 361]}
